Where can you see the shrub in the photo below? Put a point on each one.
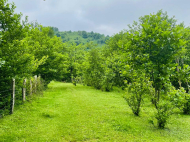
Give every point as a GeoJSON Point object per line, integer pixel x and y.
{"type": "Point", "coordinates": [164, 110]}
{"type": "Point", "coordinates": [186, 108]}
{"type": "Point", "coordinates": [165, 105]}
{"type": "Point", "coordinates": [181, 100]}
{"type": "Point", "coordinates": [136, 91]}
{"type": "Point", "coordinates": [107, 80]}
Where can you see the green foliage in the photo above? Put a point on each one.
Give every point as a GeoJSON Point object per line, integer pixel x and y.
{"type": "Point", "coordinates": [52, 50]}
{"type": "Point", "coordinates": [82, 37]}
{"type": "Point", "coordinates": [27, 50]}
{"type": "Point", "coordinates": [164, 111]}
{"type": "Point", "coordinates": [93, 69]}
{"type": "Point", "coordinates": [118, 58]}
{"type": "Point", "coordinates": [182, 100]}
{"type": "Point", "coordinates": [76, 56]}
{"type": "Point", "coordinates": [107, 79]}
{"type": "Point", "coordinates": [179, 98]}
{"type": "Point", "coordinates": [153, 44]}
{"type": "Point", "coordinates": [136, 91]}
{"type": "Point", "coordinates": [17, 60]}
{"type": "Point", "coordinates": [186, 107]}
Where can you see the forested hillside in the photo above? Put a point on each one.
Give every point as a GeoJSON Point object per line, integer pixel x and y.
{"type": "Point", "coordinates": [150, 60]}
{"type": "Point", "coordinates": [81, 37]}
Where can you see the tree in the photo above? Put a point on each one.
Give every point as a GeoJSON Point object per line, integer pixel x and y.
{"type": "Point", "coordinates": [16, 59]}
{"type": "Point", "coordinates": [84, 34]}
{"type": "Point", "coordinates": [93, 69]}
{"type": "Point", "coordinates": [137, 89]}
{"type": "Point", "coordinates": [52, 49]}
{"type": "Point", "coordinates": [154, 43]}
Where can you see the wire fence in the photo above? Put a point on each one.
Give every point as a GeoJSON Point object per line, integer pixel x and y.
{"type": "Point", "coordinates": [20, 92]}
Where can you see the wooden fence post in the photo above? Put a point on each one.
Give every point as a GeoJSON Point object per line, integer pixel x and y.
{"type": "Point", "coordinates": [40, 85]}
{"type": "Point", "coordinates": [24, 90]}
{"type": "Point", "coordinates": [39, 81]}
{"type": "Point", "coordinates": [30, 86]}
{"type": "Point", "coordinates": [35, 77]}
{"type": "Point", "coordinates": [13, 96]}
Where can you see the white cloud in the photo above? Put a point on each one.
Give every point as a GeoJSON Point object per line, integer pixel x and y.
{"type": "Point", "coordinates": [107, 29]}
{"type": "Point", "coordinates": [104, 16]}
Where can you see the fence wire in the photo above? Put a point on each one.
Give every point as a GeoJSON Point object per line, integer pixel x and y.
{"type": "Point", "coordinates": [6, 98]}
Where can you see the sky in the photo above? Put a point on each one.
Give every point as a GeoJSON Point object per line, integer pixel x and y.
{"type": "Point", "coordinates": [103, 16]}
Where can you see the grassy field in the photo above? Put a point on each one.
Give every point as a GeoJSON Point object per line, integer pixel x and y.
{"type": "Point", "coordinates": [69, 114]}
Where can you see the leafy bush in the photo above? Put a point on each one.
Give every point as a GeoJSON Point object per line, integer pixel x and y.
{"type": "Point", "coordinates": [186, 108]}
{"type": "Point", "coordinates": [164, 110]}
{"type": "Point", "coordinates": [181, 100]}
{"type": "Point", "coordinates": [136, 91]}
{"type": "Point", "coordinates": [165, 104]}
{"type": "Point", "coordinates": [107, 80]}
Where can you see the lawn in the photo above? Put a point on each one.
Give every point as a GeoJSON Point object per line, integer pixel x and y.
{"type": "Point", "coordinates": [68, 113]}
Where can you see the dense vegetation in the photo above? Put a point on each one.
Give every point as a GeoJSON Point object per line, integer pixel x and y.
{"type": "Point", "coordinates": [150, 60]}
{"type": "Point", "coordinates": [81, 37]}
{"type": "Point", "coordinates": [26, 50]}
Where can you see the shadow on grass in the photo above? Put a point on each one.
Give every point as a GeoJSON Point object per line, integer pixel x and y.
{"type": "Point", "coordinates": [46, 115]}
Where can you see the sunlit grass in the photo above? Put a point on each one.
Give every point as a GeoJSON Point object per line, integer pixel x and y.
{"type": "Point", "coordinates": [79, 113]}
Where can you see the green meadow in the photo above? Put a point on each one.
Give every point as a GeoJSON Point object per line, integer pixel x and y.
{"type": "Point", "coordinates": [68, 113]}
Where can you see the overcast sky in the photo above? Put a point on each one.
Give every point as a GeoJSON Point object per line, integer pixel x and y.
{"type": "Point", "coordinates": [103, 16]}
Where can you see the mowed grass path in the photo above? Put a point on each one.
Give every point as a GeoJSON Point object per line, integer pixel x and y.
{"type": "Point", "coordinates": [68, 113]}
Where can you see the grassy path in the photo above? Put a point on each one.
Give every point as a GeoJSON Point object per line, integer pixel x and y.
{"type": "Point", "coordinates": [69, 114]}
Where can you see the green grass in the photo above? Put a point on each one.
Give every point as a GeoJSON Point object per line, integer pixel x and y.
{"type": "Point", "coordinates": [69, 114]}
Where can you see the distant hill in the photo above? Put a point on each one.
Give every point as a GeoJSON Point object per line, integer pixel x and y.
{"type": "Point", "coordinates": [81, 36]}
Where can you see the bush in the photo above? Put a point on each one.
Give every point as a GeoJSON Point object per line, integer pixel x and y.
{"type": "Point", "coordinates": [136, 91]}
{"type": "Point", "coordinates": [186, 108]}
{"type": "Point", "coordinates": [165, 105]}
{"type": "Point", "coordinates": [181, 100]}
{"type": "Point", "coordinates": [107, 80]}
{"type": "Point", "coordinates": [164, 110]}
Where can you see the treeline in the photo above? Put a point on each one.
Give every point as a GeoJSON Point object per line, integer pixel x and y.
{"type": "Point", "coordinates": [26, 49]}
{"type": "Point", "coordinates": [150, 59]}
{"type": "Point", "coordinates": [81, 37]}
